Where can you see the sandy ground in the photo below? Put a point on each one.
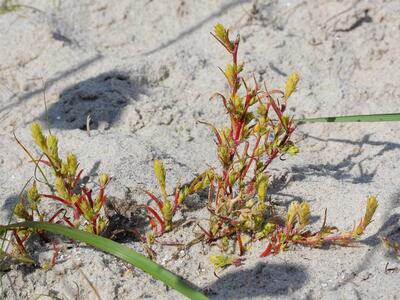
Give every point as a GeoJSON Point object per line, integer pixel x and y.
{"type": "Point", "coordinates": [144, 71]}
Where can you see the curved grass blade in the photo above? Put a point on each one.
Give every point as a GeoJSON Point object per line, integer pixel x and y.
{"type": "Point", "coordinates": [120, 251]}
{"type": "Point", "coordinates": [355, 118]}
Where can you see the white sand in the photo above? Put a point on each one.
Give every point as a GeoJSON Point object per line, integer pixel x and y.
{"type": "Point", "coordinates": [144, 71]}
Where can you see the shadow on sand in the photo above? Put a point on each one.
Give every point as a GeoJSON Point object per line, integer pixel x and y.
{"type": "Point", "coordinates": [95, 101]}
{"type": "Point", "coordinates": [263, 280]}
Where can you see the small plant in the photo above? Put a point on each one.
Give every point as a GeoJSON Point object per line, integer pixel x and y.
{"type": "Point", "coordinates": [223, 261]}
{"type": "Point", "coordinates": [79, 207]}
{"type": "Point", "coordinates": [166, 208]}
{"type": "Point", "coordinates": [294, 231]}
{"type": "Point", "coordinates": [259, 132]}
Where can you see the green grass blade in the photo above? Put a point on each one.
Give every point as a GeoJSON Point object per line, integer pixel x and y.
{"type": "Point", "coordinates": [120, 251]}
{"type": "Point", "coordinates": [356, 118]}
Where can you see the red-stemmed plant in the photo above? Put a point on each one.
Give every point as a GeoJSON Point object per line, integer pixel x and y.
{"type": "Point", "coordinates": [79, 208]}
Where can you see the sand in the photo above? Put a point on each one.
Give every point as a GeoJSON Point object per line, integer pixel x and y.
{"type": "Point", "coordinates": [144, 71]}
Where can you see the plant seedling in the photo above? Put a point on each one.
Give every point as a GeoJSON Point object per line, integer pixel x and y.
{"type": "Point", "coordinates": [166, 208]}
{"type": "Point", "coordinates": [259, 132]}
{"type": "Point", "coordinates": [80, 208]}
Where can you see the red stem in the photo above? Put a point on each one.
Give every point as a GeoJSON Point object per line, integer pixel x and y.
{"type": "Point", "coordinates": [239, 240]}
{"type": "Point", "coordinates": [276, 109]}
{"type": "Point", "coordinates": [54, 197]}
{"type": "Point", "coordinates": [56, 252]}
{"type": "Point", "coordinates": [77, 178]}
{"type": "Point", "coordinates": [237, 126]}
{"type": "Point", "coordinates": [218, 136]}
{"type": "Point", "coordinates": [227, 183]}
{"type": "Point", "coordinates": [253, 154]}
{"type": "Point", "coordinates": [155, 199]}
{"type": "Point", "coordinates": [18, 239]}
{"type": "Point", "coordinates": [103, 197]}
{"type": "Point", "coordinates": [66, 220]}
{"type": "Point", "coordinates": [157, 216]}
{"type": "Point", "coordinates": [267, 250]}
{"type": "Point", "coordinates": [78, 205]}
{"type": "Point", "coordinates": [94, 224]}
{"type": "Point", "coordinates": [88, 194]}
{"type": "Point", "coordinates": [251, 185]}
{"type": "Point", "coordinates": [152, 222]}
{"type": "Point", "coordinates": [55, 215]}
{"type": "Point", "coordinates": [247, 102]}
{"type": "Point", "coordinates": [223, 99]}
{"type": "Point", "coordinates": [76, 214]}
